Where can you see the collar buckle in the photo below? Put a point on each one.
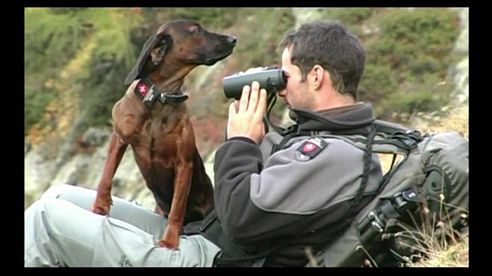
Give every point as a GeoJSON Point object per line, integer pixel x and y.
{"type": "Point", "coordinates": [151, 95]}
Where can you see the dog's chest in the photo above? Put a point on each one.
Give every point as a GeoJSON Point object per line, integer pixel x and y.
{"type": "Point", "coordinates": [156, 143]}
{"type": "Point", "coordinates": [166, 120]}
{"type": "Point", "coordinates": [161, 130]}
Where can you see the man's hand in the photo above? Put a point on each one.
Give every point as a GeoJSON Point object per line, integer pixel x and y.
{"type": "Point", "coordinates": [246, 115]}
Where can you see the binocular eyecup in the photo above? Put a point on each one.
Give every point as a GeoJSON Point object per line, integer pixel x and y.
{"type": "Point", "coordinates": [271, 79]}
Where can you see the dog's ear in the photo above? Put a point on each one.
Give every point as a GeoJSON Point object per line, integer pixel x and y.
{"type": "Point", "coordinates": [155, 48]}
{"type": "Point", "coordinates": [160, 50]}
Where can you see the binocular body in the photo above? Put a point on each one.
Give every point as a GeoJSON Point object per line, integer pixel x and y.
{"type": "Point", "coordinates": [271, 79]}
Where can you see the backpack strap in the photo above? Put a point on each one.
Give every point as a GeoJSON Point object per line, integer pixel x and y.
{"type": "Point", "coordinates": [394, 143]}
{"type": "Point", "coordinates": [365, 172]}
{"type": "Point", "coordinates": [402, 138]}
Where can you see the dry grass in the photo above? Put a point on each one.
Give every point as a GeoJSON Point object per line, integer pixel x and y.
{"type": "Point", "coordinates": [454, 255]}
{"type": "Point", "coordinates": [443, 253]}
{"type": "Point", "coordinates": [442, 246]}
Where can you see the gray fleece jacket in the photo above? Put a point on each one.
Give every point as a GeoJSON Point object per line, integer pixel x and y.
{"type": "Point", "coordinates": [296, 198]}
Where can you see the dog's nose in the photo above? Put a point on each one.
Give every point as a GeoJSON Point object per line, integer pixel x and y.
{"type": "Point", "coordinates": [232, 40]}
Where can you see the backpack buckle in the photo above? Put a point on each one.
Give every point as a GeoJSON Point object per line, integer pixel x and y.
{"type": "Point", "coordinates": [370, 227]}
{"type": "Point", "coordinates": [376, 222]}
{"type": "Point", "coordinates": [404, 200]}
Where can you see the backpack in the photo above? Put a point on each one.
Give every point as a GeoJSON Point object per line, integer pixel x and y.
{"type": "Point", "coordinates": [425, 191]}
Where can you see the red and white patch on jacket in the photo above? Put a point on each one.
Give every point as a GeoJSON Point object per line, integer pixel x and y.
{"type": "Point", "coordinates": [310, 148]}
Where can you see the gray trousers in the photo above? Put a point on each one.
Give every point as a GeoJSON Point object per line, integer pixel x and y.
{"type": "Point", "coordinates": [61, 231]}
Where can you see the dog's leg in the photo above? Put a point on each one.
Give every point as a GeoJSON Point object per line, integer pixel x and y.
{"type": "Point", "coordinates": [115, 154]}
{"type": "Point", "coordinates": [182, 186]}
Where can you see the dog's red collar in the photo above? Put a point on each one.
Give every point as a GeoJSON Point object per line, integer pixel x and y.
{"type": "Point", "coordinates": [148, 93]}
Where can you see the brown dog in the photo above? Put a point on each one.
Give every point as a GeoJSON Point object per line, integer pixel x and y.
{"type": "Point", "coordinates": [152, 118]}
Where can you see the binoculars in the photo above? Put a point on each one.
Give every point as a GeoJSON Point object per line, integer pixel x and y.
{"type": "Point", "coordinates": [270, 78]}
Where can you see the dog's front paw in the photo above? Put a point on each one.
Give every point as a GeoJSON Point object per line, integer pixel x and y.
{"type": "Point", "coordinates": [101, 207]}
{"type": "Point", "coordinates": [170, 239]}
{"type": "Point", "coordinates": [170, 245]}
{"type": "Point", "coordinates": [100, 210]}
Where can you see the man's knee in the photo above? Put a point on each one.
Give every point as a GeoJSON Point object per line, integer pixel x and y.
{"type": "Point", "coordinates": [56, 191]}
{"type": "Point", "coordinates": [36, 215]}
{"type": "Point", "coordinates": [56, 231]}
{"type": "Point", "coordinates": [37, 236]}
{"type": "Point", "coordinates": [55, 215]}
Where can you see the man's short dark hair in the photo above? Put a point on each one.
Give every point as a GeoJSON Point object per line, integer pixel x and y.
{"type": "Point", "coordinates": [332, 46]}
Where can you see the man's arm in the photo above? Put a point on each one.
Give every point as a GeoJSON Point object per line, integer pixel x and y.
{"type": "Point", "coordinates": [256, 201]}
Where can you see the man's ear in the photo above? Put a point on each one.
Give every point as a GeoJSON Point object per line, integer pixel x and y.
{"type": "Point", "coordinates": [318, 75]}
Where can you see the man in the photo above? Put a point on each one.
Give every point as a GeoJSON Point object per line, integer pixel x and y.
{"type": "Point", "coordinates": [275, 197]}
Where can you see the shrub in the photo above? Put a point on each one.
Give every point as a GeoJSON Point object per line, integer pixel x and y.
{"type": "Point", "coordinates": [413, 51]}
